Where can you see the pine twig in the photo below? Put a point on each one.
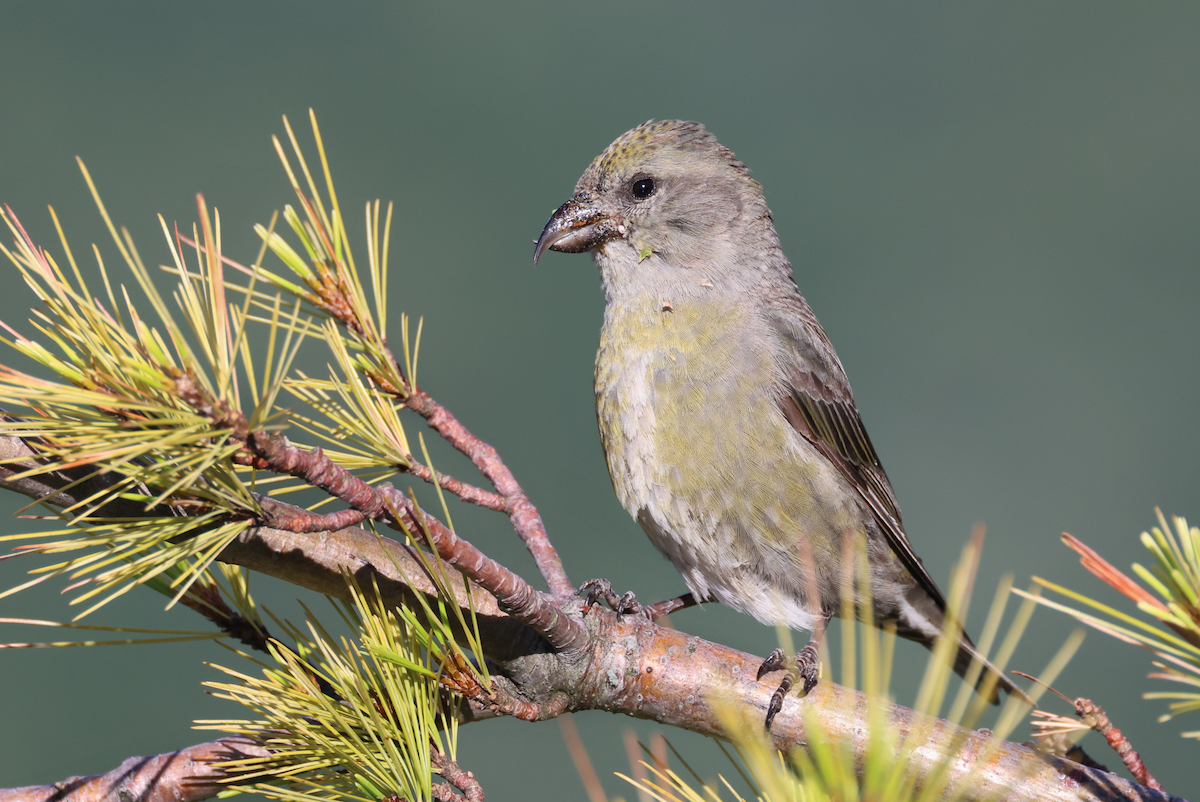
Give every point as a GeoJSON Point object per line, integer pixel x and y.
{"type": "Point", "coordinates": [524, 515]}
{"type": "Point", "coordinates": [454, 775]}
{"type": "Point", "coordinates": [515, 596]}
{"type": "Point", "coordinates": [1094, 716]}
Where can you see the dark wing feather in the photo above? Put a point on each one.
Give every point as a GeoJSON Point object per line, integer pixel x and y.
{"type": "Point", "coordinates": [819, 405]}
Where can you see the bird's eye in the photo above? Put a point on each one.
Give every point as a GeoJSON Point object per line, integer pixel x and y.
{"type": "Point", "coordinates": [642, 188]}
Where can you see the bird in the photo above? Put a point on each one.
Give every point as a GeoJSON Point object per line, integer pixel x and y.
{"type": "Point", "coordinates": [727, 421]}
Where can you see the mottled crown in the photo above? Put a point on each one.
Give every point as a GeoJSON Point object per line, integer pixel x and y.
{"type": "Point", "coordinates": [639, 145]}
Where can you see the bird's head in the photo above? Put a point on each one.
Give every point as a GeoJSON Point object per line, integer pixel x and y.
{"type": "Point", "coordinates": [666, 191]}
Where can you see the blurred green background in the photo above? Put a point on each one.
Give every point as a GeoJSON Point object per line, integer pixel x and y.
{"type": "Point", "coordinates": [993, 209]}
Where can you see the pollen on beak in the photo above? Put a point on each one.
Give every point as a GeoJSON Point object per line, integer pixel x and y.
{"type": "Point", "coordinates": [576, 227]}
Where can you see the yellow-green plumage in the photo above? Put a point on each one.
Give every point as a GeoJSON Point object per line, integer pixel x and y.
{"type": "Point", "coordinates": [661, 373]}
{"type": "Point", "coordinates": [728, 424]}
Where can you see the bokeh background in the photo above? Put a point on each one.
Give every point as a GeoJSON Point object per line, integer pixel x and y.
{"type": "Point", "coordinates": [993, 208]}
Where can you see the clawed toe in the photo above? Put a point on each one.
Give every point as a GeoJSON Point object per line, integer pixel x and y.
{"type": "Point", "coordinates": [808, 667]}
{"type": "Point", "coordinates": [775, 661]}
{"type": "Point", "coordinates": [776, 703]}
{"type": "Point", "coordinates": [805, 668]}
{"type": "Point", "coordinates": [596, 590]}
{"type": "Point", "coordinates": [628, 604]}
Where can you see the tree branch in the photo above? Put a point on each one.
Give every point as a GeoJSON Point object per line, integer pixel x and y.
{"type": "Point", "coordinates": [463, 781]}
{"type": "Point", "coordinates": [654, 673]}
{"type": "Point", "coordinates": [640, 669]}
{"type": "Point", "coordinates": [626, 664]}
{"type": "Point", "coordinates": [524, 516]}
{"type": "Point", "coordinates": [184, 775]}
{"type": "Point", "coordinates": [516, 597]}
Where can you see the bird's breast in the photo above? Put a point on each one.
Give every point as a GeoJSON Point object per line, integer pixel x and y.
{"type": "Point", "coordinates": [699, 451]}
{"type": "Point", "coordinates": [683, 390]}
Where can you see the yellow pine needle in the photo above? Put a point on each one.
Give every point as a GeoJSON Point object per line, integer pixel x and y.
{"type": "Point", "coordinates": [320, 219]}
{"type": "Point", "coordinates": [175, 635]}
{"type": "Point", "coordinates": [437, 484]}
{"type": "Point", "coordinates": [376, 729]}
{"type": "Point", "coordinates": [1138, 631]}
{"type": "Point", "coordinates": [967, 697]}
{"type": "Point", "coordinates": [112, 230]}
{"type": "Point", "coordinates": [333, 201]}
{"type": "Point", "coordinates": [411, 354]}
{"type": "Point", "coordinates": [377, 254]}
{"type": "Point", "coordinates": [294, 261]}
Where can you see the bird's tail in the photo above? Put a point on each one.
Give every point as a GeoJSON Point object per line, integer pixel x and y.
{"type": "Point", "coordinates": [991, 680]}
{"type": "Point", "coordinates": [923, 619]}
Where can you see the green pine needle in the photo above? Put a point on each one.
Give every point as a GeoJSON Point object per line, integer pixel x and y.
{"type": "Point", "coordinates": [344, 718]}
{"type": "Point", "coordinates": [1170, 624]}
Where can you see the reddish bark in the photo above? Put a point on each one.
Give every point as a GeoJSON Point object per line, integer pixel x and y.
{"type": "Point", "coordinates": [184, 775]}
{"type": "Point", "coordinates": [1093, 715]}
{"type": "Point", "coordinates": [524, 516]}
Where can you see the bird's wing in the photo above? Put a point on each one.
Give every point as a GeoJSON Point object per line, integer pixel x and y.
{"type": "Point", "coordinates": [819, 405]}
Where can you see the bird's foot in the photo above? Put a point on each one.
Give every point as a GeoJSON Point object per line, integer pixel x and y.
{"type": "Point", "coordinates": [595, 590]}
{"type": "Point", "coordinates": [805, 667]}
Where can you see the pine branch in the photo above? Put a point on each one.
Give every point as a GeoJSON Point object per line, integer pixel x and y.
{"type": "Point", "coordinates": [632, 666]}
{"type": "Point", "coordinates": [185, 775]}
{"type": "Point", "coordinates": [524, 516]}
{"type": "Point", "coordinates": [516, 597]}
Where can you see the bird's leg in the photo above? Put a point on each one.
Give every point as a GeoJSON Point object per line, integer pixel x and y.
{"type": "Point", "coordinates": [805, 666]}
{"type": "Point", "coordinates": [659, 609]}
